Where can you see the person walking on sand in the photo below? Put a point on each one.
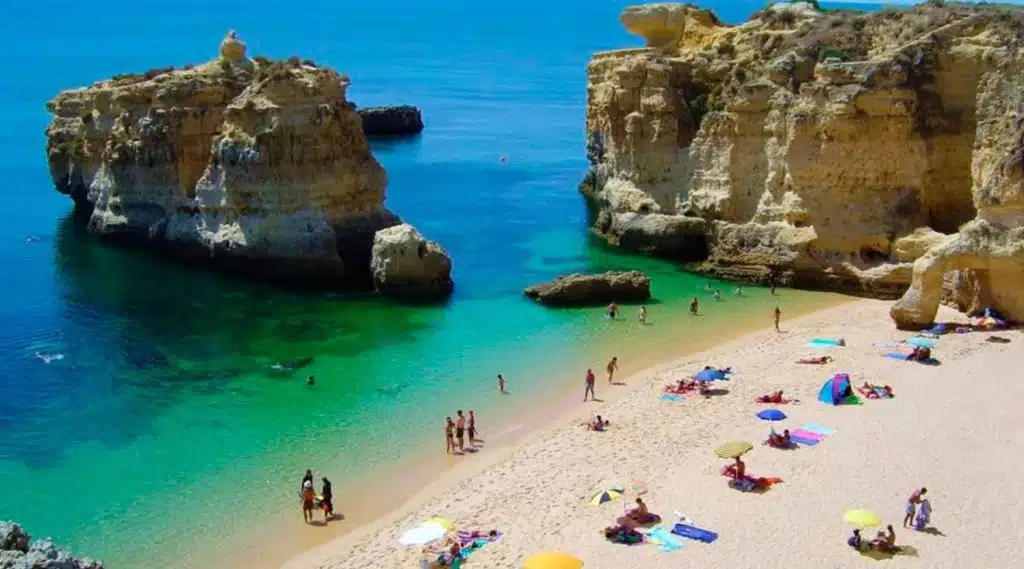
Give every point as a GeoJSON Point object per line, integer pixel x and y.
{"type": "Point", "coordinates": [460, 429]}
{"type": "Point", "coordinates": [589, 389]}
{"type": "Point", "coordinates": [449, 435]}
{"type": "Point", "coordinates": [911, 507]}
{"type": "Point", "coordinates": [472, 428]}
{"type": "Point", "coordinates": [778, 314]}
{"type": "Point", "coordinates": [613, 365]}
{"type": "Point", "coordinates": [641, 316]}
{"type": "Point", "coordinates": [308, 496]}
{"type": "Point", "coordinates": [501, 384]}
{"type": "Point", "coordinates": [693, 306]}
{"type": "Point", "coordinates": [327, 498]}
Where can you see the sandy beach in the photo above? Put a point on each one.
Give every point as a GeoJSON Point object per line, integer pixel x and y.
{"type": "Point", "coordinates": [950, 427]}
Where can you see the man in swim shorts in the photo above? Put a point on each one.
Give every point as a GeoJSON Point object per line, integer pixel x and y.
{"type": "Point", "coordinates": [460, 429]}
{"type": "Point", "coordinates": [911, 507]}
{"type": "Point", "coordinates": [589, 389]}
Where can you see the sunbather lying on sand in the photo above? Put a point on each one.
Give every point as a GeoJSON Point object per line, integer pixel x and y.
{"type": "Point", "coordinates": [465, 535]}
{"type": "Point", "coordinates": [623, 534]}
{"type": "Point", "coordinates": [920, 354]}
{"type": "Point", "coordinates": [775, 397]}
{"type": "Point", "coordinates": [447, 552]}
{"type": "Point", "coordinates": [820, 360]}
{"type": "Point", "coordinates": [597, 424]}
{"type": "Point", "coordinates": [872, 391]}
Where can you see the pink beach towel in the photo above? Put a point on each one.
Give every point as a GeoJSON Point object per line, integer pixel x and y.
{"type": "Point", "coordinates": [804, 434]}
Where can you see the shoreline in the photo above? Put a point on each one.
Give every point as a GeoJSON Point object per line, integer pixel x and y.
{"type": "Point", "coordinates": [377, 537]}
{"type": "Point", "coordinates": [408, 480]}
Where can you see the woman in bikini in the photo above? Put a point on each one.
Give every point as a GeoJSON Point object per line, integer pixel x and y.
{"type": "Point", "coordinates": [449, 435]}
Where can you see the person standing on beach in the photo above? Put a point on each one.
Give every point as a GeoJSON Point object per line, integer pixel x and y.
{"type": "Point", "coordinates": [641, 316]}
{"type": "Point", "coordinates": [589, 390]}
{"type": "Point", "coordinates": [911, 508]}
{"type": "Point", "coordinates": [449, 435]}
{"type": "Point", "coordinates": [460, 429]}
{"type": "Point", "coordinates": [693, 306]}
{"type": "Point", "coordinates": [613, 365]}
{"type": "Point", "coordinates": [307, 477]}
{"type": "Point", "coordinates": [501, 384]}
{"type": "Point", "coordinates": [308, 496]}
{"type": "Point", "coordinates": [778, 314]}
{"type": "Point", "coordinates": [472, 428]}
{"type": "Point", "coordinates": [327, 498]}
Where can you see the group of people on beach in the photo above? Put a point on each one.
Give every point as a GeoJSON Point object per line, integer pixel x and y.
{"type": "Point", "coordinates": [589, 380]}
{"type": "Point", "coordinates": [917, 512]}
{"type": "Point", "coordinates": [455, 431]}
{"type": "Point", "coordinates": [612, 313]}
{"type": "Point", "coordinates": [310, 500]}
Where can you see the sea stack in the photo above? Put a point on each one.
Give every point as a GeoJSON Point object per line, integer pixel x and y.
{"type": "Point", "coordinates": [820, 149]}
{"type": "Point", "coordinates": [244, 164]}
{"type": "Point", "coordinates": [391, 121]}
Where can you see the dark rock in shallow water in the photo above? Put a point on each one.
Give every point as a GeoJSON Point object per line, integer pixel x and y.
{"type": "Point", "coordinates": [590, 290]}
{"type": "Point", "coordinates": [16, 553]}
{"type": "Point", "coordinates": [391, 121]}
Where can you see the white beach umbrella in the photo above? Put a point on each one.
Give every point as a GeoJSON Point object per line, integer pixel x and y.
{"type": "Point", "coordinates": [422, 535]}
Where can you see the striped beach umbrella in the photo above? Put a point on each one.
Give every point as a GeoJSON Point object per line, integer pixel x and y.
{"type": "Point", "coordinates": [732, 449]}
{"type": "Point", "coordinates": [606, 496]}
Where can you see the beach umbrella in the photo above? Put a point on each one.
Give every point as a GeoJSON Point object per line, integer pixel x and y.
{"type": "Point", "coordinates": [862, 518]}
{"type": "Point", "coordinates": [733, 449]}
{"type": "Point", "coordinates": [422, 535]}
{"type": "Point", "coordinates": [708, 375]}
{"type": "Point", "coordinates": [441, 522]}
{"type": "Point", "coordinates": [771, 415]}
{"type": "Point", "coordinates": [552, 560]}
{"type": "Point", "coordinates": [606, 496]}
{"type": "Point", "coordinates": [637, 487]}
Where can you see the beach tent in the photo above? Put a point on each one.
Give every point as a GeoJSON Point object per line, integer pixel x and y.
{"type": "Point", "coordinates": [836, 390]}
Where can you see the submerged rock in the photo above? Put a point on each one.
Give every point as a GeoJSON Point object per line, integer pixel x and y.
{"type": "Point", "coordinates": [405, 265]}
{"type": "Point", "coordinates": [392, 120]}
{"type": "Point", "coordinates": [17, 553]}
{"type": "Point", "coordinates": [591, 290]}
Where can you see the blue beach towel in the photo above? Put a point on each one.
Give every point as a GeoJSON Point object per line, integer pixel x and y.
{"type": "Point", "coordinates": [824, 343]}
{"type": "Point", "coordinates": [671, 397]}
{"type": "Point", "coordinates": [816, 428]}
{"type": "Point", "coordinates": [666, 541]}
{"type": "Point", "coordinates": [895, 356]}
{"type": "Point", "coordinates": [803, 441]}
{"type": "Point", "coordinates": [921, 342]}
{"type": "Point", "coordinates": [696, 533]}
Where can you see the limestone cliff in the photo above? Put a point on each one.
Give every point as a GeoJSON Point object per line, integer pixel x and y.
{"type": "Point", "coordinates": [244, 164]}
{"type": "Point", "coordinates": [824, 149]}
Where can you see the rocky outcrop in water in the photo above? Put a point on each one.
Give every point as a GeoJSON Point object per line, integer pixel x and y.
{"type": "Point", "coordinates": [821, 149]}
{"type": "Point", "coordinates": [16, 552]}
{"type": "Point", "coordinates": [409, 267]}
{"type": "Point", "coordinates": [401, 120]}
{"type": "Point", "coordinates": [591, 290]}
{"type": "Point", "coordinates": [244, 164]}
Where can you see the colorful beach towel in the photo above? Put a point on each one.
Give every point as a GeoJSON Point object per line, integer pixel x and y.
{"type": "Point", "coordinates": [696, 533]}
{"type": "Point", "coordinates": [804, 434]}
{"type": "Point", "coordinates": [816, 428]}
{"type": "Point", "coordinates": [806, 441]}
{"type": "Point", "coordinates": [664, 539]}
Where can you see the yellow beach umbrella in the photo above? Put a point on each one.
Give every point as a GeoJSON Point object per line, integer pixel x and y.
{"type": "Point", "coordinates": [552, 560]}
{"type": "Point", "coordinates": [862, 518]}
{"type": "Point", "coordinates": [446, 524]}
{"type": "Point", "coordinates": [733, 449]}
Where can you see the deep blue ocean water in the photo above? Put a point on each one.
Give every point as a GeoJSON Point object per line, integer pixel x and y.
{"type": "Point", "coordinates": [163, 396]}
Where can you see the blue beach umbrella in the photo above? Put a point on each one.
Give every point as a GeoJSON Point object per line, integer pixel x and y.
{"type": "Point", "coordinates": [708, 375]}
{"type": "Point", "coordinates": [771, 415]}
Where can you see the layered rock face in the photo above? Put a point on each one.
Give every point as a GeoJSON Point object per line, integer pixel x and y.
{"type": "Point", "coordinates": [244, 164]}
{"type": "Point", "coordinates": [407, 266]}
{"type": "Point", "coordinates": [829, 150]}
{"type": "Point", "coordinates": [591, 290]}
{"type": "Point", "coordinates": [17, 553]}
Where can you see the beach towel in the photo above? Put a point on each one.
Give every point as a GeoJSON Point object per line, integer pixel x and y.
{"type": "Point", "coordinates": [884, 345]}
{"type": "Point", "coordinates": [806, 441]}
{"type": "Point", "coordinates": [896, 356]}
{"type": "Point", "coordinates": [816, 428]}
{"type": "Point", "coordinates": [824, 343]}
{"type": "Point", "coordinates": [804, 434]}
{"type": "Point", "coordinates": [671, 397]}
{"type": "Point", "coordinates": [664, 539]}
{"type": "Point", "coordinates": [921, 342]}
{"type": "Point", "coordinates": [695, 533]}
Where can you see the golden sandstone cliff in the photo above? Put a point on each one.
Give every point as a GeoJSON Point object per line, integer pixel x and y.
{"type": "Point", "coordinates": [244, 164]}
{"type": "Point", "coordinates": [850, 151]}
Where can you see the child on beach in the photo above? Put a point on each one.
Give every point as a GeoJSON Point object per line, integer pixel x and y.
{"type": "Point", "coordinates": [449, 435]}
{"type": "Point", "coordinates": [641, 316]}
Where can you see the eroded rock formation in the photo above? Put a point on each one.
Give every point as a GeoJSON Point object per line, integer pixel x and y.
{"type": "Point", "coordinates": [591, 290]}
{"type": "Point", "coordinates": [407, 266]}
{"type": "Point", "coordinates": [816, 149]}
{"type": "Point", "coordinates": [399, 120]}
{"type": "Point", "coordinates": [16, 552]}
{"type": "Point", "coordinates": [243, 164]}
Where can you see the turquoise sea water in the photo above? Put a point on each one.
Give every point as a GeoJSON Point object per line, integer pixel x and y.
{"type": "Point", "coordinates": [162, 421]}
